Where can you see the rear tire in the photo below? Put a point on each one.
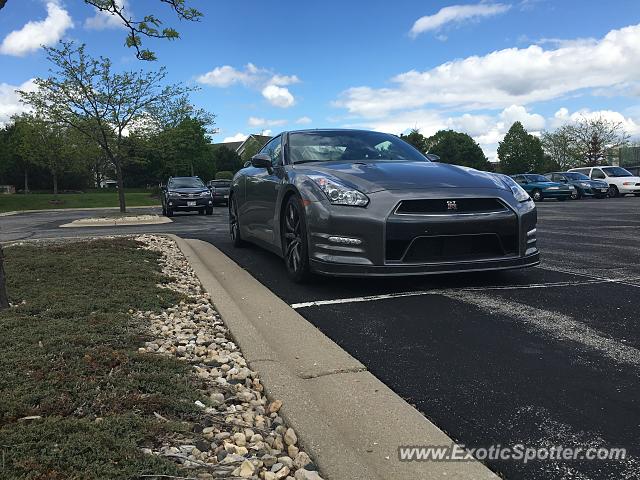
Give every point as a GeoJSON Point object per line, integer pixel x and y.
{"type": "Point", "coordinates": [295, 248]}
{"type": "Point", "coordinates": [234, 225]}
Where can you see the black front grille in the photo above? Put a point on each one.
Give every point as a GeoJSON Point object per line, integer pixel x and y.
{"type": "Point", "coordinates": [436, 206]}
{"type": "Point", "coordinates": [458, 248]}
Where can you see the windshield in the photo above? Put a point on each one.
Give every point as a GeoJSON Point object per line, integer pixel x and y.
{"type": "Point", "coordinates": [221, 183]}
{"type": "Point", "coordinates": [537, 178]}
{"type": "Point", "coordinates": [576, 176]}
{"type": "Point", "coordinates": [353, 146]}
{"type": "Point", "coordinates": [187, 182]}
{"type": "Point", "coordinates": [616, 172]}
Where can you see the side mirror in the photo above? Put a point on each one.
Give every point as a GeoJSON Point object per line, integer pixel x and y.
{"type": "Point", "coordinates": [261, 161]}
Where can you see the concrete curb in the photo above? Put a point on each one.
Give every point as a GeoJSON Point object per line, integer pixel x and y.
{"type": "Point", "coordinates": [19, 212]}
{"type": "Point", "coordinates": [350, 422]}
{"type": "Point", "coordinates": [117, 221]}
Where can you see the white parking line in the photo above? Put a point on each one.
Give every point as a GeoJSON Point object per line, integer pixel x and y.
{"type": "Point", "coordinates": [623, 280]}
{"type": "Point", "coordinates": [387, 296]}
{"type": "Point", "coordinates": [554, 324]}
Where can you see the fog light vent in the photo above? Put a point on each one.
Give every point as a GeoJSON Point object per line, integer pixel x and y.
{"type": "Point", "coordinates": [345, 240]}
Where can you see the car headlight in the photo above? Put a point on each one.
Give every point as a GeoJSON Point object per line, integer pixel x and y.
{"type": "Point", "coordinates": [339, 194]}
{"type": "Point", "coordinates": [519, 193]}
{"type": "Point", "coordinates": [628, 183]}
{"type": "Point", "coordinates": [585, 185]}
{"type": "Point", "coordinates": [205, 194]}
{"type": "Point", "coordinates": [174, 195]}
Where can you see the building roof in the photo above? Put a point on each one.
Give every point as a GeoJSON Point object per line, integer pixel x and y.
{"type": "Point", "coordinates": [238, 146]}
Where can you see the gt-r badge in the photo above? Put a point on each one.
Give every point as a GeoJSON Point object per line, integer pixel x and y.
{"type": "Point", "coordinates": [452, 205]}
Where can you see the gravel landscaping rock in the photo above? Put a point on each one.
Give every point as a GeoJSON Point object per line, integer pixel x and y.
{"type": "Point", "coordinates": [240, 433]}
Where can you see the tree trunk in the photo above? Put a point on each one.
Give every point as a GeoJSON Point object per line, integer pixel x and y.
{"type": "Point", "coordinates": [123, 206]}
{"type": "Point", "coordinates": [26, 180]}
{"type": "Point", "coordinates": [192, 172]}
{"type": "Point", "coordinates": [55, 184]}
{"type": "Point", "coordinates": [4, 299]}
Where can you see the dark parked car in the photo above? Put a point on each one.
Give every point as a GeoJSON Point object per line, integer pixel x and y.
{"type": "Point", "coordinates": [186, 194]}
{"type": "Point", "coordinates": [361, 203]}
{"type": "Point", "coordinates": [540, 187]}
{"type": "Point", "coordinates": [220, 191]}
{"type": "Point", "coordinates": [584, 186]}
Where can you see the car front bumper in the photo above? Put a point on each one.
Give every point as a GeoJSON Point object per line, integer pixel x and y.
{"type": "Point", "coordinates": [376, 241]}
{"type": "Point", "coordinates": [187, 204]}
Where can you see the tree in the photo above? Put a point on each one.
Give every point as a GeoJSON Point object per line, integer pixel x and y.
{"type": "Point", "coordinates": [84, 91]}
{"type": "Point", "coordinates": [592, 138]}
{"type": "Point", "coordinates": [149, 26]}
{"type": "Point", "coordinates": [226, 159]}
{"type": "Point", "coordinates": [457, 148]}
{"type": "Point", "coordinates": [560, 148]}
{"type": "Point", "coordinates": [519, 151]}
{"type": "Point", "coordinates": [43, 143]}
{"type": "Point", "coordinates": [415, 138]}
{"type": "Point", "coordinates": [4, 299]}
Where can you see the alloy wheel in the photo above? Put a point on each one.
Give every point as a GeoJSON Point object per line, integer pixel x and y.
{"type": "Point", "coordinates": [234, 226]}
{"type": "Point", "coordinates": [293, 238]}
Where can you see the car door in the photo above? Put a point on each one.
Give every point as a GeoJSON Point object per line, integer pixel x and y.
{"type": "Point", "coordinates": [262, 190]}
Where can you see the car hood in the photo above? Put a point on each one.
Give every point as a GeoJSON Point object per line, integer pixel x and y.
{"type": "Point", "coordinates": [369, 177]}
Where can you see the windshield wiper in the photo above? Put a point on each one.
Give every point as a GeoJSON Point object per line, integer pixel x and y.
{"type": "Point", "coordinates": [306, 161]}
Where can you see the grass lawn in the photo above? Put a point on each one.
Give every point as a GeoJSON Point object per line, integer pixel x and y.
{"type": "Point", "coordinates": [42, 201]}
{"type": "Point", "coordinates": [69, 355]}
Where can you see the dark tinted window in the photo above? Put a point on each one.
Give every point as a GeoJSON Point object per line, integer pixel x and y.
{"type": "Point", "coordinates": [344, 145]}
{"type": "Point", "coordinates": [616, 172]}
{"type": "Point", "coordinates": [220, 183]}
{"type": "Point", "coordinates": [185, 182]}
{"type": "Point", "coordinates": [576, 176]}
{"type": "Point", "coordinates": [597, 173]}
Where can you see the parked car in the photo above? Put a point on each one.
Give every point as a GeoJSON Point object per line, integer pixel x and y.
{"type": "Point", "coordinates": [186, 194]}
{"type": "Point", "coordinates": [584, 186]}
{"type": "Point", "coordinates": [635, 171]}
{"type": "Point", "coordinates": [220, 191]}
{"type": "Point", "coordinates": [362, 203]}
{"type": "Point", "coordinates": [620, 181]}
{"type": "Point", "coordinates": [540, 187]}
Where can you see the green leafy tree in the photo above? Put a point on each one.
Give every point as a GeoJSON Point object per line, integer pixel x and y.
{"type": "Point", "coordinates": [560, 148]}
{"type": "Point", "coordinates": [415, 138]}
{"type": "Point", "coordinates": [83, 90]}
{"type": "Point", "coordinates": [457, 148]}
{"type": "Point", "coordinates": [520, 152]}
{"type": "Point", "coordinates": [225, 159]}
{"type": "Point", "coordinates": [149, 26]}
{"type": "Point", "coordinates": [593, 138]}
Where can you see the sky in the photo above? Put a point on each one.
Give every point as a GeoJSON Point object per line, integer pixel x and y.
{"type": "Point", "coordinates": [267, 66]}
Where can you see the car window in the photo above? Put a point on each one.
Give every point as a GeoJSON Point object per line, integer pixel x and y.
{"type": "Point", "coordinates": [556, 177]}
{"type": "Point", "coordinates": [186, 182]}
{"type": "Point", "coordinates": [518, 178]}
{"type": "Point", "coordinates": [537, 178]}
{"type": "Point", "coordinates": [274, 150]}
{"type": "Point", "coordinates": [597, 173]}
{"type": "Point", "coordinates": [616, 172]}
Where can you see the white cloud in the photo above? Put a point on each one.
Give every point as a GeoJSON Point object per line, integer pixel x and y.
{"type": "Point", "coordinates": [563, 117]}
{"type": "Point", "coordinates": [507, 77]}
{"type": "Point", "coordinates": [238, 137]}
{"type": "Point", "coordinates": [263, 122]}
{"type": "Point", "coordinates": [249, 76]}
{"type": "Point", "coordinates": [37, 33]}
{"type": "Point", "coordinates": [304, 121]}
{"type": "Point", "coordinates": [103, 20]}
{"type": "Point", "coordinates": [517, 113]}
{"type": "Point", "coordinates": [10, 100]}
{"type": "Point", "coordinates": [456, 14]}
{"type": "Point", "coordinates": [278, 96]}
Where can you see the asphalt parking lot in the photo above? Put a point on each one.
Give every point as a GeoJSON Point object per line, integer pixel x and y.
{"type": "Point", "coordinates": [544, 357]}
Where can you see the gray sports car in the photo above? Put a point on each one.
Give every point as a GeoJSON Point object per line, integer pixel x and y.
{"type": "Point", "coordinates": [361, 203]}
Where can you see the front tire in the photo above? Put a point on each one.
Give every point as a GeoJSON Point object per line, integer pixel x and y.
{"type": "Point", "coordinates": [234, 225]}
{"type": "Point", "coordinates": [613, 191]}
{"type": "Point", "coordinates": [577, 195]}
{"type": "Point", "coordinates": [294, 241]}
{"type": "Point", "coordinates": [169, 212]}
{"type": "Point", "coordinates": [209, 211]}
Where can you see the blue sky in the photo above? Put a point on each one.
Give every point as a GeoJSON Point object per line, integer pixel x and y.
{"type": "Point", "coordinates": [268, 66]}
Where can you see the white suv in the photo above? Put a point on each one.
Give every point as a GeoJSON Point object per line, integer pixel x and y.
{"type": "Point", "coordinates": [620, 181]}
